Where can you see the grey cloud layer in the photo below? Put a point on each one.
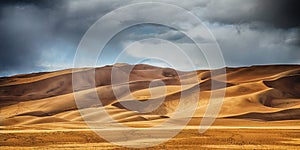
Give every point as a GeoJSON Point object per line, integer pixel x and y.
{"type": "Point", "coordinates": [272, 13]}
{"type": "Point", "coordinates": [42, 35]}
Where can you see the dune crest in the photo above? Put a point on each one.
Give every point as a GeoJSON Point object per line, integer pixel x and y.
{"type": "Point", "coordinates": [263, 93]}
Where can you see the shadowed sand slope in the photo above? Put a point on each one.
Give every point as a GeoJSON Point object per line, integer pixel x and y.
{"type": "Point", "coordinates": [263, 93]}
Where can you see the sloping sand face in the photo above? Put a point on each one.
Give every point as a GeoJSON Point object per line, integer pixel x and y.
{"type": "Point", "coordinates": [262, 104]}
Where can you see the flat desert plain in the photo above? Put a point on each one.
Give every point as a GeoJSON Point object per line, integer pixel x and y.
{"type": "Point", "coordinates": [260, 108]}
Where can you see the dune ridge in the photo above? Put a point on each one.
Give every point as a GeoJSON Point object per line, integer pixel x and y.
{"type": "Point", "coordinates": [261, 93]}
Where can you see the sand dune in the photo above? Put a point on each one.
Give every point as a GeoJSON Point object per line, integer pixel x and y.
{"type": "Point", "coordinates": [258, 92]}
{"type": "Point", "coordinates": [46, 100]}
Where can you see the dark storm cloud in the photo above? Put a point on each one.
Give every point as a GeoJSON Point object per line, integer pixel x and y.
{"type": "Point", "coordinates": [40, 3]}
{"type": "Point", "coordinates": [272, 13]}
{"type": "Point", "coordinates": [31, 29]}
{"type": "Point", "coordinates": [20, 37]}
{"type": "Point", "coordinates": [280, 13]}
{"type": "Point", "coordinates": [37, 33]}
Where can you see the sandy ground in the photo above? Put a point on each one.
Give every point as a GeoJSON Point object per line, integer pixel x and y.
{"type": "Point", "coordinates": [232, 138]}
{"type": "Point", "coordinates": [224, 134]}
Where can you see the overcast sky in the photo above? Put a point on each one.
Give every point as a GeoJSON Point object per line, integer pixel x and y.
{"type": "Point", "coordinates": [43, 35]}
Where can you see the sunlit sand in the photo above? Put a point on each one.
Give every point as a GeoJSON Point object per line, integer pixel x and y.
{"type": "Point", "coordinates": [260, 110]}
